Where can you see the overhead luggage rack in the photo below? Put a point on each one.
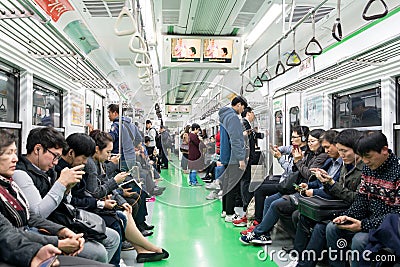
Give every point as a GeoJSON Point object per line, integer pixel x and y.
{"type": "Point", "coordinates": [371, 57]}
{"type": "Point", "coordinates": [47, 46]}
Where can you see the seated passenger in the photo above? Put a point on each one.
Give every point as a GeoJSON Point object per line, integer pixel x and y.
{"type": "Point", "coordinates": [269, 187]}
{"type": "Point", "coordinates": [104, 143]}
{"type": "Point", "coordinates": [314, 158]}
{"type": "Point", "coordinates": [18, 250]}
{"type": "Point", "coordinates": [44, 191]}
{"type": "Point", "coordinates": [378, 196]}
{"type": "Point", "coordinates": [15, 208]}
{"type": "Point", "coordinates": [345, 189]}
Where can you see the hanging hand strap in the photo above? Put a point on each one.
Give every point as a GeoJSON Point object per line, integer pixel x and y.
{"type": "Point", "coordinates": [250, 88]}
{"type": "Point", "coordinates": [337, 26]}
{"type": "Point", "coordinates": [313, 40]}
{"type": "Point", "coordinates": [280, 68]}
{"type": "Point", "coordinates": [376, 16]}
{"type": "Point", "coordinates": [125, 12]}
{"type": "Point", "coordinates": [144, 63]}
{"type": "Point", "coordinates": [142, 45]}
{"type": "Point", "coordinates": [296, 61]}
{"type": "Point", "coordinates": [266, 75]}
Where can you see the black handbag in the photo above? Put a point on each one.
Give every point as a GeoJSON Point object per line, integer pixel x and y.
{"type": "Point", "coordinates": [286, 186]}
{"type": "Point", "coordinates": [80, 221]}
{"type": "Point", "coordinates": [320, 209]}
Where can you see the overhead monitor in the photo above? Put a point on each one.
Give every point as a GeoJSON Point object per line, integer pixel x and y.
{"type": "Point", "coordinates": [185, 50]}
{"type": "Point", "coordinates": [202, 52]}
{"type": "Point", "coordinates": [178, 109]}
{"type": "Point", "coordinates": [217, 50]}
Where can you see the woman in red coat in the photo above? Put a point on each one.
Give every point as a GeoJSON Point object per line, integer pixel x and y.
{"type": "Point", "coordinates": [195, 160]}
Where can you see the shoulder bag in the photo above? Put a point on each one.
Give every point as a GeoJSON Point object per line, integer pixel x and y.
{"type": "Point", "coordinates": [320, 209]}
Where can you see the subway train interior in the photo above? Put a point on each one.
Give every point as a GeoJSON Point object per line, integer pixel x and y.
{"type": "Point", "coordinates": [179, 62]}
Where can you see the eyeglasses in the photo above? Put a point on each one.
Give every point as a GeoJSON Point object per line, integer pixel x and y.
{"type": "Point", "coordinates": [56, 156]}
{"type": "Point", "coordinates": [294, 137]}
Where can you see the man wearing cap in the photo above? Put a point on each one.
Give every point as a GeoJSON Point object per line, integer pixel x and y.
{"type": "Point", "coordinates": [233, 154]}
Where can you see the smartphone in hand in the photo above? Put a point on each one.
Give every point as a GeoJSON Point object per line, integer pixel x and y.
{"type": "Point", "coordinates": [344, 223]}
{"type": "Point", "coordinates": [49, 262]}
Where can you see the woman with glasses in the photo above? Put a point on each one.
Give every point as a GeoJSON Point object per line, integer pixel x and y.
{"type": "Point", "coordinates": [312, 157]}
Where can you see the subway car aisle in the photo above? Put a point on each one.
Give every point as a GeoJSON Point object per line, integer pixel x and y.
{"type": "Point", "coordinates": [191, 229]}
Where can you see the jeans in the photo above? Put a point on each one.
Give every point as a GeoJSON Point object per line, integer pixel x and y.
{"type": "Point", "coordinates": [192, 177]}
{"type": "Point", "coordinates": [244, 187]}
{"type": "Point", "coordinates": [271, 216]}
{"type": "Point", "coordinates": [358, 242]}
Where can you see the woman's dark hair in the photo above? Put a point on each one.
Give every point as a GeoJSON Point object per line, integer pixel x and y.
{"type": "Point", "coordinates": [329, 136]}
{"type": "Point", "coordinates": [371, 141]}
{"type": "Point", "coordinates": [195, 126]}
{"type": "Point", "coordinates": [348, 138]}
{"type": "Point", "coordinates": [317, 133]}
{"type": "Point", "coordinates": [47, 137]}
{"type": "Point", "coordinates": [225, 50]}
{"type": "Point", "coordinates": [81, 144]}
{"type": "Point", "coordinates": [101, 138]}
{"type": "Point", "coordinates": [7, 138]}
{"type": "Point", "coordinates": [193, 49]}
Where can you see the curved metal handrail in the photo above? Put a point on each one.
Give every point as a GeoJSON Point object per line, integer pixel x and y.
{"type": "Point", "coordinates": [376, 16]}
{"type": "Point", "coordinates": [313, 40]}
{"type": "Point", "coordinates": [125, 11]}
{"type": "Point", "coordinates": [293, 54]}
{"type": "Point", "coordinates": [337, 26]}
{"type": "Point", "coordinates": [142, 44]}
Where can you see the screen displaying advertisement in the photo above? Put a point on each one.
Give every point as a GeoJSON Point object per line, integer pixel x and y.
{"type": "Point", "coordinates": [217, 50]}
{"type": "Point", "coordinates": [185, 50]}
{"type": "Point", "coordinates": [181, 109]}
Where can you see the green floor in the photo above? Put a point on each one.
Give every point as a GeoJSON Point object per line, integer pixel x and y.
{"type": "Point", "coordinates": [190, 228]}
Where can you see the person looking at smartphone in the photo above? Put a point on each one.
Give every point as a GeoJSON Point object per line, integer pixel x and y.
{"type": "Point", "coordinates": [44, 190]}
{"type": "Point", "coordinates": [377, 196]}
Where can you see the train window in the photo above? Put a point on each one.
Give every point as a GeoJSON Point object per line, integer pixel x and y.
{"type": "Point", "coordinates": [8, 94]}
{"type": "Point", "coordinates": [98, 118]}
{"type": "Point", "coordinates": [294, 117]}
{"type": "Point", "coordinates": [279, 128]}
{"type": "Point", "coordinates": [46, 110]}
{"type": "Point", "coordinates": [361, 109]}
{"type": "Point", "coordinates": [88, 114]}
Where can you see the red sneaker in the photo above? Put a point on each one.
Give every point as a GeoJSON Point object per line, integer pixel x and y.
{"type": "Point", "coordinates": [240, 222]}
{"type": "Point", "coordinates": [250, 229]}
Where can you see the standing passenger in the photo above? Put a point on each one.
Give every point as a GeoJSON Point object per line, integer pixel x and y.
{"type": "Point", "coordinates": [195, 159]}
{"type": "Point", "coordinates": [233, 154]}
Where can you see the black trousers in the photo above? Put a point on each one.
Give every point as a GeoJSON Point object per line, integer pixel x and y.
{"type": "Point", "coordinates": [267, 188]}
{"type": "Point", "coordinates": [244, 187]}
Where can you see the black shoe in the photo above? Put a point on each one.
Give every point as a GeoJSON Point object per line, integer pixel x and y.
{"type": "Point", "coordinates": [287, 249]}
{"type": "Point", "coordinates": [145, 226]}
{"type": "Point", "coordinates": [146, 233]}
{"type": "Point", "coordinates": [147, 257]}
{"type": "Point", "coordinates": [126, 246]}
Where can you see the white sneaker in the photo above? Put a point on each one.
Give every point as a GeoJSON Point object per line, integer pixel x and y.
{"type": "Point", "coordinates": [230, 218]}
{"type": "Point", "coordinates": [213, 186]}
{"type": "Point", "coordinates": [293, 263]}
{"type": "Point", "coordinates": [223, 214]}
{"type": "Point", "coordinates": [213, 195]}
